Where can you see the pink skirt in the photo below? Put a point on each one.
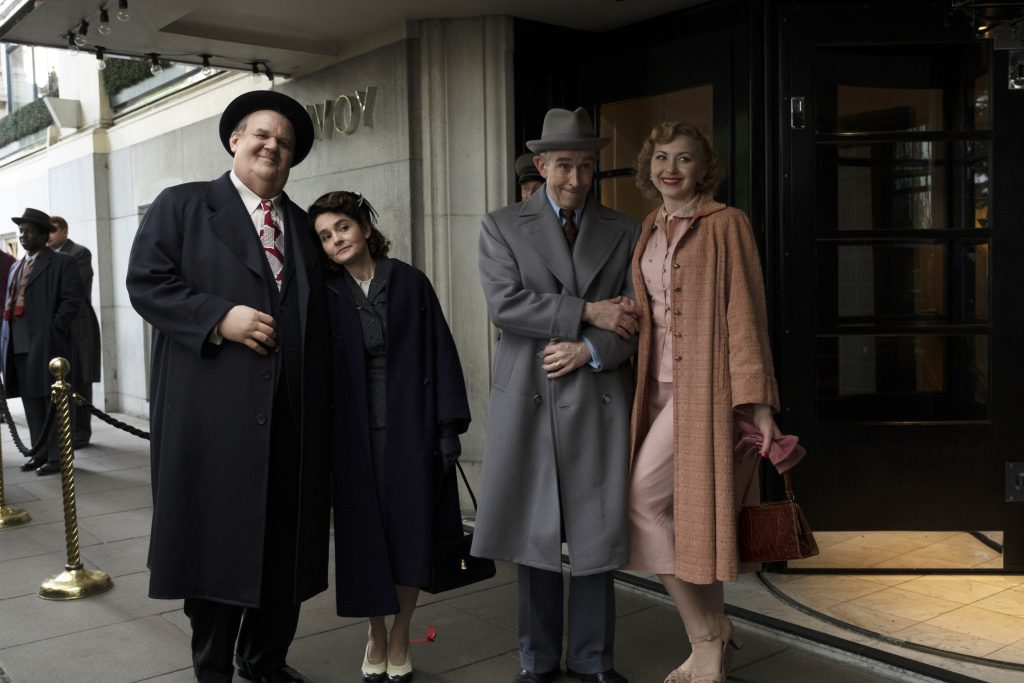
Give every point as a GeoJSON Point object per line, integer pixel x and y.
{"type": "Point", "coordinates": [652, 545]}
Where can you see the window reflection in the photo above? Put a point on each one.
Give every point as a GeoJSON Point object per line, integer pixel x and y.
{"type": "Point", "coordinates": [902, 377]}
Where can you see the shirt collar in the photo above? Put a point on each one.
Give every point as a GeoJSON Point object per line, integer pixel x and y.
{"type": "Point", "coordinates": [249, 198]}
{"type": "Point", "coordinates": [558, 210]}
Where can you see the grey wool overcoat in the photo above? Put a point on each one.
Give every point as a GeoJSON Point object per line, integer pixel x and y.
{"type": "Point", "coordinates": [556, 450]}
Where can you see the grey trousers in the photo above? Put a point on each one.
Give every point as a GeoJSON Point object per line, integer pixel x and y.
{"type": "Point", "coordinates": [591, 621]}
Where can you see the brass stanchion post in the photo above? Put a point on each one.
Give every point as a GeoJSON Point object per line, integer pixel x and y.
{"type": "Point", "coordinates": [74, 582]}
{"type": "Point", "coordinates": [9, 515]}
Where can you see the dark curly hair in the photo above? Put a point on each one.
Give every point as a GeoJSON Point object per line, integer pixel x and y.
{"type": "Point", "coordinates": [356, 207]}
{"type": "Point", "coordinates": [667, 132]}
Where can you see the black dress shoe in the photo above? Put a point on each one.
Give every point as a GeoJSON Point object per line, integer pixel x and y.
{"type": "Point", "coordinates": [47, 468]}
{"type": "Point", "coordinates": [32, 463]}
{"type": "Point", "coordinates": [609, 676]}
{"type": "Point", "coordinates": [525, 676]}
{"type": "Point", "coordinates": [285, 674]}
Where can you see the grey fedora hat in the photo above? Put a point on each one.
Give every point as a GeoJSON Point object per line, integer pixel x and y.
{"type": "Point", "coordinates": [564, 129]}
{"type": "Point", "coordinates": [35, 217]}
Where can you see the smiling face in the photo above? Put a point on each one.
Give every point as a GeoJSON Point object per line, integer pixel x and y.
{"type": "Point", "coordinates": [676, 170]}
{"type": "Point", "coordinates": [569, 175]}
{"type": "Point", "coordinates": [343, 239]}
{"type": "Point", "coordinates": [264, 149]}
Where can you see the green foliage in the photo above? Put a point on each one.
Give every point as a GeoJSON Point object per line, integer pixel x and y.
{"type": "Point", "coordinates": [124, 73]}
{"type": "Point", "coordinates": [29, 119]}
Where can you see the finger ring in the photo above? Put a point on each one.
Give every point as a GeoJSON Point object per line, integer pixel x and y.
{"type": "Point", "coordinates": [558, 364]}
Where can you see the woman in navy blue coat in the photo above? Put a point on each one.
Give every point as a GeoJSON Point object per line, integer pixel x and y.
{"type": "Point", "coordinates": [399, 405]}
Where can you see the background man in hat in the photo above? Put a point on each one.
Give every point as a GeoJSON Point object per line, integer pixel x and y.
{"type": "Point", "coordinates": [86, 329]}
{"type": "Point", "coordinates": [225, 272]}
{"type": "Point", "coordinates": [527, 175]}
{"type": "Point", "coordinates": [555, 273]}
{"type": "Point", "coordinates": [44, 291]}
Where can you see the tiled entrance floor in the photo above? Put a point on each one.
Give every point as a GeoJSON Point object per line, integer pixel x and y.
{"type": "Point", "coordinates": [980, 615]}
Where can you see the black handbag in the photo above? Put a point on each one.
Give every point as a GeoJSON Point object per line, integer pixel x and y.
{"type": "Point", "coordinates": [451, 565]}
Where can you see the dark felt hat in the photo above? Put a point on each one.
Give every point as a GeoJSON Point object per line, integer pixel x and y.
{"type": "Point", "coordinates": [35, 217]}
{"type": "Point", "coordinates": [259, 100]}
{"type": "Point", "coordinates": [564, 129]}
{"type": "Point", "coordinates": [525, 170]}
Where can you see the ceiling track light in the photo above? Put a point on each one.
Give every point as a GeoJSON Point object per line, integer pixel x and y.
{"type": "Point", "coordinates": [101, 63]}
{"type": "Point", "coordinates": [104, 27]}
{"type": "Point", "coordinates": [122, 10]}
{"type": "Point", "coordinates": [257, 74]}
{"type": "Point", "coordinates": [83, 30]}
{"type": "Point", "coordinates": [207, 70]}
{"type": "Point", "coordinates": [73, 49]}
{"type": "Point", "coordinates": [154, 60]}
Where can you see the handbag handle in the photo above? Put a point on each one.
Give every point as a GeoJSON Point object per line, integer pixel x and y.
{"type": "Point", "coordinates": [789, 486]}
{"type": "Point", "coordinates": [465, 480]}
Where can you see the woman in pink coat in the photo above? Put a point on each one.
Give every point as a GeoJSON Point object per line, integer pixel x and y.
{"type": "Point", "coordinates": [703, 358]}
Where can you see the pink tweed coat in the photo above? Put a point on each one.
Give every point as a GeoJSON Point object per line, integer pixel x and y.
{"type": "Point", "coordinates": [721, 361]}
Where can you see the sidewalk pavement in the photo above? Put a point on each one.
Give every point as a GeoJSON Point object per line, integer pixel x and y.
{"type": "Point", "coordinates": [123, 635]}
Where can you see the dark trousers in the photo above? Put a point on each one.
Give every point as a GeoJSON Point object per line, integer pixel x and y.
{"type": "Point", "coordinates": [591, 621]}
{"type": "Point", "coordinates": [260, 638]}
{"type": "Point", "coordinates": [36, 408]}
{"type": "Point", "coordinates": [81, 418]}
{"type": "Point", "coordinates": [257, 639]}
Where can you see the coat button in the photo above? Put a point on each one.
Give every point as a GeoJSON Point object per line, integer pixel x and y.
{"type": "Point", "coordinates": [536, 399]}
{"type": "Point", "coordinates": [677, 289]}
{"type": "Point", "coordinates": [676, 311]}
{"type": "Point", "coordinates": [675, 266]}
{"type": "Point", "coordinates": [426, 380]}
{"type": "Point", "coordinates": [677, 334]}
{"type": "Point", "coordinates": [678, 358]}
{"type": "Point", "coordinates": [265, 374]}
{"type": "Point", "coordinates": [261, 419]}
{"type": "Point", "coordinates": [606, 399]}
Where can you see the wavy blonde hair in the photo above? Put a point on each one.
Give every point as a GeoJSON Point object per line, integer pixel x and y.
{"type": "Point", "coordinates": [667, 132]}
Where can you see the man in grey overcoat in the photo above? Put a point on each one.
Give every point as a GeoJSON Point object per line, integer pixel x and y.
{"type": "Point", "coordinates": [86, 329]}
{"type": "Point", "coordinates": [555, 273]}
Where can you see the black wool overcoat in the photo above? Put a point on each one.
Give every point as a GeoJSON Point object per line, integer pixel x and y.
{"type": "Point", "coordinates": [53, 294]}
{"type": "Point", "coordinates": [376, 549]}
{"type": "Point", "coordinates": [195, 256]}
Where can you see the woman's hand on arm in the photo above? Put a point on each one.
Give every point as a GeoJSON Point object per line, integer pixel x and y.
{"type": "Point", "coordinates": [765, 423]}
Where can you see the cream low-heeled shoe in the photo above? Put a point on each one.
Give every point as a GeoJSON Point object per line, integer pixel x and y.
{"type": "Point", "coordinates": [374, 673]}
{"type": "Point", "coordinates": [400, 673]}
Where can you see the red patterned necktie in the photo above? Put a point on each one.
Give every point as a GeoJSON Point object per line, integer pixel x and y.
{"type": "Point", "coordinates": [569, 225]}
{"type": "Point", "coordinates": [271, 237]}
{"type": "Point", "coordinates": [15, 305]}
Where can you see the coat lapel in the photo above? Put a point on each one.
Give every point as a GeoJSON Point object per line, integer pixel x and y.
{"type": "Point", "coordinates": [545, 235]}
{"type": "Point", "coordinates": [599, 233]}
{"type": "Point", "coordinates": [232, 224]}
{"type": "Point", "coordinates": [42, 263]}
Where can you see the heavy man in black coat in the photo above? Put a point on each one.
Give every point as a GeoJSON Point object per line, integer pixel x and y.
{"type": "Point", "coordinates": [239, 396]}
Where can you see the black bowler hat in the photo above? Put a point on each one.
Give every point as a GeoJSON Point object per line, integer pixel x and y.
{"type": "Point", "coordinates": [259, 100]}
{"type": "Point", "coordinates": [35, 217]}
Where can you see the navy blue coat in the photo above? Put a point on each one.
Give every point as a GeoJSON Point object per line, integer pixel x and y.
{"type": "Point", "coordinates": [195, 256]}
{"type": "Point", "coordinates": [424, 387]}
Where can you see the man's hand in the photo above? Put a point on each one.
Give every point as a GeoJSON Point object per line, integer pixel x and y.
{"type": "Point", "coordinates": [559, 358]}
{"type": "Point", "coordinates": [618, 315]}
{"type": "Point", "coordinates": [248, 326]}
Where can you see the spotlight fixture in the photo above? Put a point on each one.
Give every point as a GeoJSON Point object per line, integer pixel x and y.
{"type": "Point", "coordinates": [83, 29]}
{"type": "Point", "coordinates": [122, 10]}
{"type": "Point", "coordinates": [101, 63]}
{"type": "Point", "coordinates": [256, 71]}
{"type": "Point", "coordinates": [207, 69]}
{"type": "Point", "coordinates": [154, 60]}
{"type": "Point", "coordinates": [104, 27]}
{"type": "Point", "coordinates": [73, 49]}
